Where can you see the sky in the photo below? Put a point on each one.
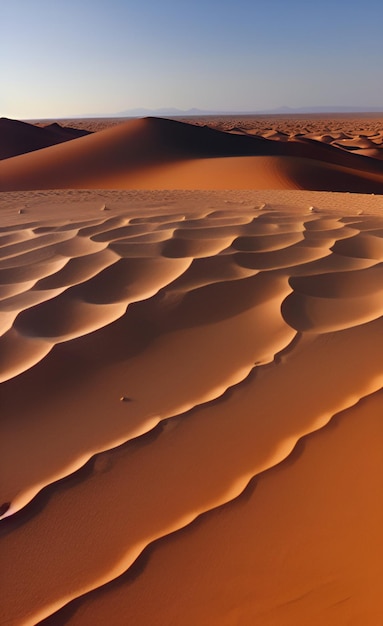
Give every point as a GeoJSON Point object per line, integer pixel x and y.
{"type": "Point", "coordinates": [68, 58]}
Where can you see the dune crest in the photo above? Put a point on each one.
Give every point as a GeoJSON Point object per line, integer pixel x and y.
{"type": "Point", "coordinates": [21, 137]}
{"type": "Point", "coordinates": [155, 153]}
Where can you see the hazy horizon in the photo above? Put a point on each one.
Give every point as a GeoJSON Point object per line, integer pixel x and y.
{"type": "Point", "coordinates": [98, 58]}
{"type": "Point", "coordinates": [281, 112]}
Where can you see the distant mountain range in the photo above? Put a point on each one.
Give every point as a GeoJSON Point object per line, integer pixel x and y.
{"type": "Point", "coordinates": [142, 112]}
{"type": "Point", "coordinates": [173, 112]}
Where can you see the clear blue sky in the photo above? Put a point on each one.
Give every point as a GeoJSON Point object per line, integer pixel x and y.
{"type": "Point", "coordinates": [63, 58]}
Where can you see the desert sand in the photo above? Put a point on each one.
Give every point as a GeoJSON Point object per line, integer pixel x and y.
{"type": "Point", "coordinates": [191, 377]}
{"type": "Point", "coordinates": [154, 153]}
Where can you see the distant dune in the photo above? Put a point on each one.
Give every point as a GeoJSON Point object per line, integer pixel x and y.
{"type": "Point", "coordinates": [154, 153]}
{"type": "Point", "coordinates": [19, 137]}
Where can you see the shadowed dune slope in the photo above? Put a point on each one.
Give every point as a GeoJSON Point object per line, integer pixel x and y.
{"type": "Point", "coordinates": [20, 137]}
{"type": "Point", "coordinates": [157, 153]}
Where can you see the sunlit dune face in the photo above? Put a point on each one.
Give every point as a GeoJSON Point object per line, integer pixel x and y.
{"type": "Point", "coordinates": [155, 153]}
{"type": "Point", "coordinates": [207, 367]}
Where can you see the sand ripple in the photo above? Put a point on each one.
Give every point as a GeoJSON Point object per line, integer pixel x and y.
{"type": "Point", "coordinates": [171, 373]}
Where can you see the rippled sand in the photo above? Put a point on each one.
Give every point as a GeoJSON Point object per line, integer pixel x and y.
{"type": "Point", "coordinates": [191, 408]}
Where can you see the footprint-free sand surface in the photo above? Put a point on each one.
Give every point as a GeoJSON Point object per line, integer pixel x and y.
{"type": "Point", "coordinates": [191, 396]}
{"type": "Point", "coordinates": [154, 153]}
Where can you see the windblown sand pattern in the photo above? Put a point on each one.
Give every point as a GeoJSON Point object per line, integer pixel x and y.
{"type": "Point", "coordinates": [192, 406]}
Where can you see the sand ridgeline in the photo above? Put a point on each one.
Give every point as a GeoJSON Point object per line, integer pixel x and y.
{"type": "Point", "coordinates": [20, 137]}
{"type": "Point", "coordinates": [155, 153]}
{"type": "Point", "coordinates": [191, 407]}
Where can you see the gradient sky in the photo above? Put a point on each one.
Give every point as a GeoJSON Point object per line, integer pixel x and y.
{"type": "Point", "coordinates": [62, 58]}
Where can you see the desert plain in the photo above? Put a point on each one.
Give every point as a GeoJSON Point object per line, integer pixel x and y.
{"type": "Point", "coordinates": [191, 371]}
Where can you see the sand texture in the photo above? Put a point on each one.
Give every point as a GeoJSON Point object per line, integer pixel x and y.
{"type": "Point", "coordinates": [191, 384]}
{"type": "Point", "coordinates": [191, 378]}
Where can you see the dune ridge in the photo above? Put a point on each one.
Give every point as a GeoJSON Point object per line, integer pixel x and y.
{"type": "Point", "coordinates": [20, 137]}
{"type": "Point", "coordinates": [213, 301]}
{"type": "Point", "coordinates": [155, 153]}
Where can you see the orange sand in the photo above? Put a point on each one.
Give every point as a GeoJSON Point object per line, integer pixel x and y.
{"type": "Point", "coordinates": [156, 153]}
{"type": "Point", "coordinates": [191, 395]}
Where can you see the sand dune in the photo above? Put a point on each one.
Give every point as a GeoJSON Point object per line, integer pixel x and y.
{"type": "Point", "coordinates": [154, 153]}
{"type": "Point", "coordinates": [191, 382]}
{"type": "Point", "coordinates": [20, 137]}
{"type": "Point", "coordinates": [282, 553]}
{"type": "Point", "coordinates": [191, 404]}
{"type": "Point", "coordinates": [373, 153]}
